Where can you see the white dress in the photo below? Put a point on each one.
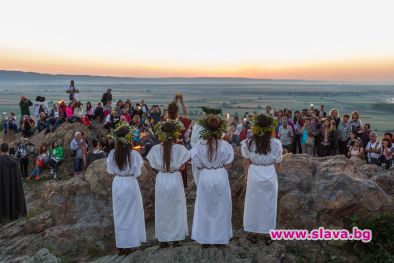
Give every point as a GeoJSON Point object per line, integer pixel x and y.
{"type": "Point", "coordinates": [212, 211]}
{"type": "Point", "coordinates": [261, 188]}
{"type": "Point", "coordinates": [170, 201]}
{"type": "Point", "coordinates": [127, 204]}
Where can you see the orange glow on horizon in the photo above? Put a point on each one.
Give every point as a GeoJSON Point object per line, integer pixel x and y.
{"type": "Point", "coordinates": [364, 70]}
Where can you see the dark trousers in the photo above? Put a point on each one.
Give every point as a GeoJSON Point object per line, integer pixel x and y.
{"type": "Point", "coordinates": [55, 165]}
{"type": "Point", "coordinates": [382, 160]}
{"type": "Point", "coordinates": [24, 163]}
{"type": "Point", "coordinates": [342, 147]}
{"type": "Point", "coordinates": [297, 144]}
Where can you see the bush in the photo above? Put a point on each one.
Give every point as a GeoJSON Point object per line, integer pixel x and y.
{"type": "Point", "coordinates": [381, 247]}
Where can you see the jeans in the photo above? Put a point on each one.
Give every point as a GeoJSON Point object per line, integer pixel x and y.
{"type": "Point", "coordinates": [41, 126]}
{"type": "Point", "coordinates": [308, 149]}
{"type": "Point", "coordinates": [78, 165]}
{"type": "Point", "coordinates": [36, 171]}
{"type": "Point", "coordinates": [54, 122]}
{"type": "Point", "coordinates": [297, 144]}
{"type": "Point", "coordinates": [11, 126]}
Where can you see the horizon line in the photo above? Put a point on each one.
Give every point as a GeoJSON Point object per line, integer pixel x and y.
{"type": "Point", "coordinates": [199, 77]}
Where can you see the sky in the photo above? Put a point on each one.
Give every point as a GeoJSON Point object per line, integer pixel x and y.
{"type": "Point", "coordinates": [336, 40]}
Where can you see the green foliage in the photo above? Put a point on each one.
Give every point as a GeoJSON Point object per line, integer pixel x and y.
{"type": "Point", "coordinates": [381, 247]}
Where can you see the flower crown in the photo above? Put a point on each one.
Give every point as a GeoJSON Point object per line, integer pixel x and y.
{"type": "Point", "coordinates": [168, 136]}
{"type": "Point", "coordinates": [261, 131]}
{"type": "Point", "coordinates": [128, 138]}
{"type": "Point", "coordinates": [207, 132]}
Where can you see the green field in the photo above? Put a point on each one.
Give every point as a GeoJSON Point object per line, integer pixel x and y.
{"type": "Point", "coordinates": [231, 97]}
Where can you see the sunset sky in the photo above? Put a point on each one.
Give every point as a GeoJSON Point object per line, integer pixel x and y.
{"type": "Point", "coordinates": [336, 40]}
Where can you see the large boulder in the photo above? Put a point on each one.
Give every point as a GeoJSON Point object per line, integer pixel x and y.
{"type": "Point", "coordinates": [73, 218]}
{"type": "Point", "coordinates": [324, 192]}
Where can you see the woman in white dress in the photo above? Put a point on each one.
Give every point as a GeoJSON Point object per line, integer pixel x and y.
{"type": "Point", "coordinates": [262, 155]}
{"type": "Point", "coordinates": [212, 156]}
{"type": "Point", "coordinates": [128, 212]}
{"type": "Point", "coordinates": [169, 159]}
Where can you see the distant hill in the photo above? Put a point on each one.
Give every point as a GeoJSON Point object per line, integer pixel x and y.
{"type": "Point", "coordinates": [7, 76]}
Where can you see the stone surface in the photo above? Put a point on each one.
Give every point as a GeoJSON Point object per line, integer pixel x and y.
{"type": "Point", "coordinates": [72, 218]}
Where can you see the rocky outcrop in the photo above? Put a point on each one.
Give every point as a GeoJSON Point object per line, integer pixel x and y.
{"type": "Point", "coordinates": [324, 192]}
{"type": "Point", "coordinates": [73, 218]}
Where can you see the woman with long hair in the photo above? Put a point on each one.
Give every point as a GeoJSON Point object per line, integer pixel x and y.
{"type": "Point", "coordinates": [262, 155]}
{"type": "Point", "coordinates": [326, 135]}
{"type": "Point", "coordinates": [356, 125]}
{"type": "Point", "coordinates": [41, 161]}
{"type": "Point", "coordinates": [128, 211]}
{"type": "Point", "coordinates": [356, 152]}
{"type": "Point", "coordinates": [169, 159]}
{"type": "Point", "coordinates": [212, 156]}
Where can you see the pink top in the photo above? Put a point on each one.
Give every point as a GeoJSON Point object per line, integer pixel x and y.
{"type": "Point", "coordinates": [69, 111]}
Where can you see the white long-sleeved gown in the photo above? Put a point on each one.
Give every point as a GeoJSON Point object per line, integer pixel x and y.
{"type": "Point", "coordinates": [127, 204]}
{"type": "Point", "coordinates": [212, 211]}
{"type": "Point", "coordinates": [261, 188]}
{"type": "Point", "coordinates": [170, 201]}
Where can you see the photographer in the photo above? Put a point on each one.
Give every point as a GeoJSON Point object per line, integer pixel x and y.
{"type": "Point", "coordinates": [10, 123]}
{"type": "Point", "coordinates": [24, 105]}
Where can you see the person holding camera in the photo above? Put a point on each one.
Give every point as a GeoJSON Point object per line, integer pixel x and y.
{"type": "Point", "coordinates": [24, 105]}
{"type": "Point", "coordinates": [10, 123]}
{"type": "Point", "coordinates": [72, 91]}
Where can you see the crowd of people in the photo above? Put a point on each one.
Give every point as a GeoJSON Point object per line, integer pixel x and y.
{"type": "Point", "coordinates": [314, 132]}
{"type": "Point", "coordinates": [169, 142]}
{"type": "Point", "coordinates": [309, 131]}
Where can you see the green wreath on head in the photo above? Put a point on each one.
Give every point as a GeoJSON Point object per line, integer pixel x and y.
{"type": "Point", "coordinates": [261, 131]}
{"type": "Point", "coordinates": [164, 136]}
{"type": "Point", "coordinates": [128, 138]}
{"type": "Point", "coordinates": [213, 111]}
{"type": "Point", "coordinates": [206, 132]}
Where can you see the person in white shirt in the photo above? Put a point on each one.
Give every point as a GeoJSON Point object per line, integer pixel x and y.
{"type": "Point", "coordinates": [373, 148]}
{"type": "Point", "coordinates": [212, 157]}
{"type": "Point", "coordinates": [286, 135]}
{"type": "Point", "coordinates": [128, 212]}
{"type": "Point", "coordinates": [262, 156]}
{"type": "Point", "coordinates": [169, 159]}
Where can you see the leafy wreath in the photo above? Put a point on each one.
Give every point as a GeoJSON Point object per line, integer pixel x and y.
{"type": "Point", "coordinates": [207, 132]}
{"type": "Point", "coordinates": [213, 111]}
{"type": "Point", "coordinates": [261, 131]}
{"type": "Point", "coordinates": [165, 136]}
{"type": "Point", "coordinates": [128, 138]}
